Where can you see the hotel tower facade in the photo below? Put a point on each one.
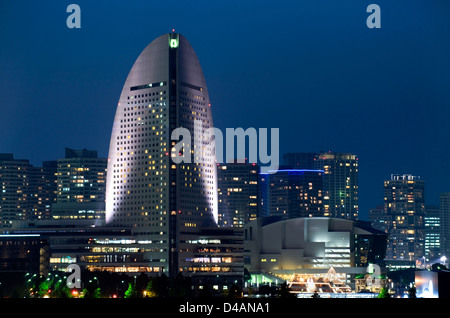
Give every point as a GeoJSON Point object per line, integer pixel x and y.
{"type": "Point", "coordinates": [166, 204]}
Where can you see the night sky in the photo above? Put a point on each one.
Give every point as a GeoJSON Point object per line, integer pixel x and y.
{"type": "Point", "coordinates": [313, 69]}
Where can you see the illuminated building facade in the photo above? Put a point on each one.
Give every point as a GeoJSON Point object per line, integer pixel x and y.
{"type": "Point", "coordinates": [215, 257]}
{"type": "Point", "coordinates": [81, 182]}
{"type": "Point", "coordinates": [95, 248]}
{"type": "Point", "coordinates": [26, 192]}
{"type": "Point", "coordinates": [340, 180]}
{"type": "Point", "coordinates": [273, 244]}
{"type": "Point", "coordinates": [311, 248]}
{"type": "Point", "coordinates": [292, 193]}
{"type": "Point", "coordinates": [14, 189]}
{"type": "Point", "coordinates": [432, 233]}
{"type": "Point", "coordinates": [238, 193]}
{"type": "Point", "coordinates": [340, 184]}
{"type": "Point", "coordinates": [404, 203]}
{"type": "Point", "coordinates": [163, 202]}
{"type": "Point", "coordinates": [444, 215]}
{"type": "Point", "coordinates": [43, 190]}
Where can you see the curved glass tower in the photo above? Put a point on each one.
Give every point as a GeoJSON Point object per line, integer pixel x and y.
{"type": "Point", "coordinates": [162, 201]}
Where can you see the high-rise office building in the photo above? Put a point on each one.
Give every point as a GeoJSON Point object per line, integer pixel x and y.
{"type": "Point", "coordinates": [404, 203]}
{"type": "Point", "coordinates": [444, 214]}
{"type": "Point", "coordinates": [238, 193]}
{"type": "Point", "coordinates": [81, 182]}
{"type": "Point", "coordinates": [340, 184]}
{"type": "Point", "coordinates": [42, 190]}
{"type": "Point", "coordinates": [26, 192]}
{"type": "Point", "coordinates": [161, 178]}
{"type": "Point", "coordinates": [432, 233]}
{"type": "Point", "coordinates": [291, 193]}
{"type": "Point", "coordinates": [14, 189]}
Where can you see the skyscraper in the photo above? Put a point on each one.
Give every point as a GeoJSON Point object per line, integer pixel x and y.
{"type": "Point", "coordinates": [14, 189]}
{"type": "Point", "coordinates": [432, 233]}
{"type": "Point", "coordinates": [42, 190]}
{"type": "Point", "coordinates": [147, 189]}
{"type": "Point", "coordinates": [444, 213]}
{"type": "Point", "coordinates": [292, 193]}
{"type": "Point", "coordinates": [26, 192]}
{"type": "Point", "coordinates": [238, 193]}
{"type": "Point", "coordinates": [81, 180]}
{"type": "Point", "coordinates": [404, 202]}
{"type": "Point", "coordinates": [340, 184]}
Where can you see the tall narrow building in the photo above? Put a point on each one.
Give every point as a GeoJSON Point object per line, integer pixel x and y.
{"type": "Point", "coordinates": [340, 184]}
{"type": "Point", "coordinates": [444, 216]}
{"type": "Point", "coordinates": [161, 183]}
{"type": "Point", "coordinates": [432, 233]}
{"type": "Point", "coordinates": [404, 203]}
{"type": "Point", "coordinates": [14, 194]}
{"type": "Point", "coordinates": [238, 193]}
{"type": "Point", "coordinates": [42, 190]}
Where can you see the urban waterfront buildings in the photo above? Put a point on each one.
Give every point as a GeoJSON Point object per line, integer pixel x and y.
{"type": "Point", "coordinates": [171, 208]}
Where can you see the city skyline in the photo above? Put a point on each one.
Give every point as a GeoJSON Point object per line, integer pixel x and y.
{"type": "Point", "coordinates": [377, 93]}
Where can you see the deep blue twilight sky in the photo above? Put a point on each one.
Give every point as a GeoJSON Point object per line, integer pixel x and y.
{"type": "Point", "coordinates": [311, 68]}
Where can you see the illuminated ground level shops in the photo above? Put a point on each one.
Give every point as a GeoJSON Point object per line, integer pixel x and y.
{"type": "Point", "coordinates": [344, 280]}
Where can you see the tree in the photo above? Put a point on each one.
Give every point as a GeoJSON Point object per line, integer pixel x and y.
{"type": "Point", "coordinates": [150, 290]}
{"type": "Point", "coordinates": [384, 293]}
{"type": "Point", "coordinates": [131, 291]}
{"type": "Point", "coordinates": [157, 287]}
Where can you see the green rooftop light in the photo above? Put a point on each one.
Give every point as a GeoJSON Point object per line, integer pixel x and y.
{"type": "Point", "coordinates": [173, 43]}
